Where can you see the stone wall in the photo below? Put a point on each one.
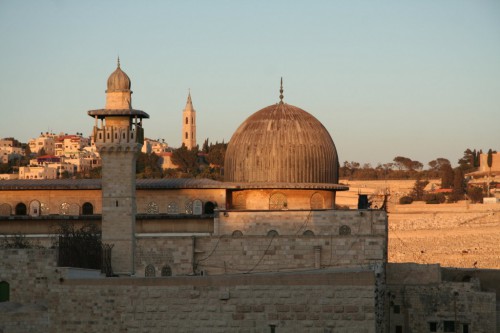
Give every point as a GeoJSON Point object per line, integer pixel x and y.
{"type": "Point", "coordinates": [29, 273]}
{"type": "Point", "coordinates": [326, 301]}
{"type": "Point", "coordinates": [45, 298]}
{"type": "Point", "coordinates": [417, 298]}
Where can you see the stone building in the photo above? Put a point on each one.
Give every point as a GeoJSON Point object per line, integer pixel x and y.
{"type": "Point", "coordinates": [264, 251]}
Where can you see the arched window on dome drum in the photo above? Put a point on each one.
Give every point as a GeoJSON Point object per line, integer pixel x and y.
{"type": "Point", "coordinates": [21, 209]}
{"type": "Point", "coordinates": [317, 201]}
{"type": "Point", "coordinates": [239, 201]}
{"type": "Point", "coordinates": [277, 201]}
{"type": "Point", "coordinates": [308, 233]}
{"type": "Point", "coordinates": [87, 209]}
{"type": "Point", "coordinates": [166, 271]}
{"type": "Point", "coordinates": [150, 271]}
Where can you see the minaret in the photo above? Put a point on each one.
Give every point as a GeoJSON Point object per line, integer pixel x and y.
{"type": "Point", "coordinates": [118, 136]}
{"type": "Point", "coordinates": [189, 124]}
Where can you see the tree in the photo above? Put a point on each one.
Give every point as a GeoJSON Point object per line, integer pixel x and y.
{"type": "Point", "coordinates": [417, 192]}
{"type": "Point", "coordinates": [403, 163]}
{"type": "Point", "coordinates": [216, 154]}
{"type": "Point", "coordinates": [446, 176]}
{"type": "Point", "coordinates": [458, 185]}
{"type": "Point", "coordinates": [438, 163]}
{"type": "Point", "coordinates": [186, 159]}
{"type": "Point", "coordinates": [41, 152]}
{"type": "Point", "coordinates": [148, 166]}
{"type": "Point", "coordinates": [489, 162]}
{"type": "Point", "coordinates": [466, 163]}
{"type": "Point", "coordinates": [489, 159]}
{"type": "Point", "coordinates": [205, 146]}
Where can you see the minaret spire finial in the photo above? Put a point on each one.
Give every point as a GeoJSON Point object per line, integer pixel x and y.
{"type": "Point", "coordinates": [281, 91]}
{"type": "Point", "coordinates": [118, 62]}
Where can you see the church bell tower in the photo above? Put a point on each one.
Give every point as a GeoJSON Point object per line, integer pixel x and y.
{"type": "Point", "coordinates": [118, 136]}
{"type": "Point", "coordinates": [189, 124]}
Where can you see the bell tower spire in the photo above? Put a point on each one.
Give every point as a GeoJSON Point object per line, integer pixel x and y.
{"type": "Point", "coordinates": [189, 124]}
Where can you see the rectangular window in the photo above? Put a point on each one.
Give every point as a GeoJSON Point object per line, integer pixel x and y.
{"type": "Point", "coordinates": [449, 326]}
{"type": "Point", "coordinates": [465, 328]}
{"type": "Point", "coordinates": [396, 309]}
{"type": "Point", "coordinates": [433, 326]}
{"type": "Point", "coordinates": [399, 329]}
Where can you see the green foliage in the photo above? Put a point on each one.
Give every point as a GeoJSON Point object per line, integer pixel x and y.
{"type": "Point", "coordinates": [458, 185]}
{"type": "Point", "coordinates": [475, 194]}
{"type": "Point", "coordinates": [418, 189]}
{"type": "Point", "coordinates": [447, 176]}
{"type": "Point", "coordinates": [216, 154]}
{"type": "Point", "coordinates": [434, 198]}
{"type": "Point", "coordinates": [406, 200]}
{"type": "Point", "coordinates": [186, 159]}
{"type": "Point", "coordinates": [148, 166]}
{"type": "Point", "coordinates": [468, 161]}
{"type": "Point", "coordinates": [489, 159]}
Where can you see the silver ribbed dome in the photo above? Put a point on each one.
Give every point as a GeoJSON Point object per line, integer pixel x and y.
{"type": "Point", "coordinates": [281, 143]}
{"type": "Point", "coordinates": [118, 80]}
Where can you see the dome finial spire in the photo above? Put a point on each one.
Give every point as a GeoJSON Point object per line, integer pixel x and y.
{"type": "Point", "coordinates": [118, 65]}
{"type": "Point", "coordinates": [281, 91]}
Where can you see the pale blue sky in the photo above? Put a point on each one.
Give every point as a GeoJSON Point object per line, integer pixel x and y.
{"type": "Point", "coordinates": [414, 78]}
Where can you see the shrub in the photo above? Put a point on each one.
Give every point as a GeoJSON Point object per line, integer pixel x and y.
{"type": "Point", "coordinates": [475, 194]}
{"type": "Point", "coordinates": [406, 200]}
{"type": "Point", "coordinates": [434, 198]}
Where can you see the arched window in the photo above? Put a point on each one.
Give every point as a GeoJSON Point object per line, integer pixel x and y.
{"type": "Point", "coordinates": [44, 208]}
{"type": "Point", "coordinates": [152, 208]}
{"type": "Point", "coordinates": [277, 201]}
{"type": "Point", "coordinates": [166, 271]}
{"type": "Point", "coordinates": [35, 208]}
{"type": "Point", "coordinates": [20, 209]}
{"type": "Point", "coordinates": [344, 230]}
{"type": "Point", "coordinates": [5, 209]}
{"type": "Point", "coordinates": [172, 208]}
{"type": "Point", "coordinates": [64, 209]}
{"type": "Point", "coordinates": [188, 207]}
{"type": "Point", "coordinates": [272, 233]}
{"type": "Point", "coordinates": [317, 201]}
{"type": "Point", "coordinates": [209, 207]}
{"type": "Point", "coordinates": [87, 209]}
{"type": "Point", "coordinates": [308, 233]}
{"type": "Point", "coordinates": [186, 135]}
{"type": "Point", "coordinates": [187, 121]}
{"type": "Point", "coordinates": [237, 233]}
{"type": "Point", "coordinates": [150, 271]}
{"type": "Point", "coordinates": [4, 291]}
